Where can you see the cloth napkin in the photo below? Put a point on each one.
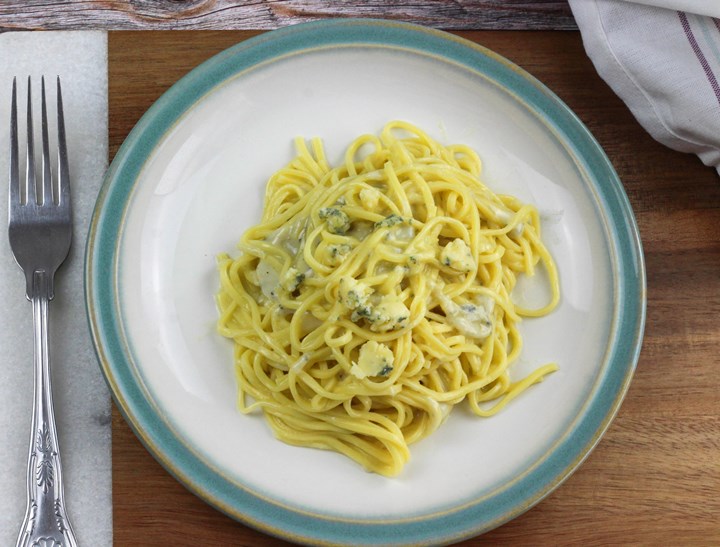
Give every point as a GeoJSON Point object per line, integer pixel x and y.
{"type": "Point", "coordinates": [662, 58]}
{"type": "Point", "coordinates": [82, 400]}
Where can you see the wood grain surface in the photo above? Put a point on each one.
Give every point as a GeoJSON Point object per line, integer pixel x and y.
{"type": "Point", "coordinates": [269, 14]}
{"type": "Point", "coordinates": [654, 479]}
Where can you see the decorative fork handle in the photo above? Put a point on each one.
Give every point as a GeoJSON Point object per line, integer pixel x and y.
{"type": "Point", "coordinates": [46, 523]}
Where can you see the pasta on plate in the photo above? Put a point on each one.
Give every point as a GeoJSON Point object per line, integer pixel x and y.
{"type": "Point", "coordinates": [374, 296]}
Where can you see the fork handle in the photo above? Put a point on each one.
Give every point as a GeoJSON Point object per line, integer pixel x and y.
{"type": "Point", "coordinates": [46, 523]}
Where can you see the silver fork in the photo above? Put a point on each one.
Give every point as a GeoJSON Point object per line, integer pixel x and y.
{"type": "Point", "coordinates": [40, 231]}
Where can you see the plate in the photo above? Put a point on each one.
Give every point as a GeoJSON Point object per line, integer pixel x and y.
{"type": "Point", "coordinates": [190, 178]}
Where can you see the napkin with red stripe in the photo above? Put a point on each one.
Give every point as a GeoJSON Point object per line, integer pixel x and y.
{"type": "Point", "coordinates": [662, 58]}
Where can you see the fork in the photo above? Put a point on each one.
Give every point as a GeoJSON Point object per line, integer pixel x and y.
{"type": "Point", "coordinates": [40, 231]}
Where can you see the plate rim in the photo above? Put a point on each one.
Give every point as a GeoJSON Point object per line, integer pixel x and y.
{"type": "Point", "coordinates": [272, 516]}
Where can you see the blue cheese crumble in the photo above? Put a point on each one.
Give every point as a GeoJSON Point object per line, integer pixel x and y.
{"type": "Point", "coordinates": [458, 256]}
{"type": "Point", "coordinates": [337, 221]}
{"type": "Point", "coordinates": [472, 319]}
{"type": "Point", "coordinates": [389, 314]}
{"type": "Point", "coordinates": [374, 360]}
{"type": "Point", "coordinates": [382, 313]}
{"type": "Point", "coordinates": [352, 293]}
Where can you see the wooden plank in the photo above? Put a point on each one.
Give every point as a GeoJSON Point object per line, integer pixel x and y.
{"type": "Point", "coordinates": [654, 478]}
{"type": "Point", "coordinates": [270, 14]}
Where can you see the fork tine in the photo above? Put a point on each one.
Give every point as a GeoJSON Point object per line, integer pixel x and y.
{"type": "Point", "coordinates": [30, 181]}
{"type": "Point", "coordinates": [47, 191]}
{"type": "Point", "coordinates": [63, 169]}
{"type": "Point", "coordinates": [14, 168]}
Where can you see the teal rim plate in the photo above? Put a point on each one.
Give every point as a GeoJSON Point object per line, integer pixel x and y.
{"type": "Point", "coordinates": [190, 178]}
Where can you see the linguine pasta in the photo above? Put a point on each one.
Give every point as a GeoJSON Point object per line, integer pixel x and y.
{"type": "Point", "coordinates": [374, 296]}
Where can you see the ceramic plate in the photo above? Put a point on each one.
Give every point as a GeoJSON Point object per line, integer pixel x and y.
{"type": "Point", "coordinates": [190, 178]}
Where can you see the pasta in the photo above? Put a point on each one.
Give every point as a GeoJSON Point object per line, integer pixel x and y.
{"type": "Point", "coordinates": [374, 296]}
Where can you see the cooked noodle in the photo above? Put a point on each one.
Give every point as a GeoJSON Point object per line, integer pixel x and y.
{"type": "Point", "coordinates": [374, 296]}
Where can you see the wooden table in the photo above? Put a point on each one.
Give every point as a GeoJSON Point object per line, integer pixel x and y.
{"type": "Point", "coordinates": [655, 477]}
{"type": "Point", "coordinates": [270, 14]}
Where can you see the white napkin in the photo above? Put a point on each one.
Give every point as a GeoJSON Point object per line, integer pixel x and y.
{"type": "Point", "coordinates": [663, 61]}
{"type": "Point", "coordinates": [711, 8]}
{"type": "Point", "coordinates": [82, 400]}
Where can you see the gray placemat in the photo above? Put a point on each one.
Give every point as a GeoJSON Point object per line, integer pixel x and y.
{"type": "Point", "coordinates": [82, 400]}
